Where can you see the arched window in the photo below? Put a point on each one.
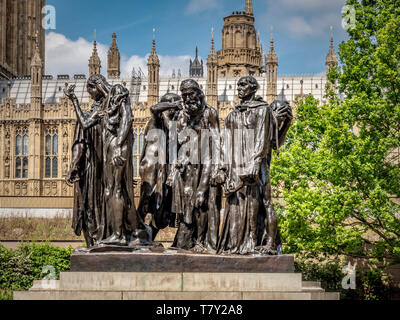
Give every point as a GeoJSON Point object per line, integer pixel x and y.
{"type": "Point", "coordinates": [238, 39]}
{"type": "Point", "coordinates": [51, 152]}
{"type": "Point", "coordinates": [21, 154]}
{"type": "Point", "coordinates": [137, 149]}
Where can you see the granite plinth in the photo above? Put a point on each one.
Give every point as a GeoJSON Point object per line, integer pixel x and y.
{"type": "Point", "coordinates": [177, 261]}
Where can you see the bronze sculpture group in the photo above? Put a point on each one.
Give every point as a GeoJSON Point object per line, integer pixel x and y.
{"type": "Point", "coordinates": [186, 164]}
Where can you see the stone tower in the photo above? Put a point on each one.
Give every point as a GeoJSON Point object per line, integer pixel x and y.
{"type": "Point", "coordinates": [36, 121]}
{"type": "Point", "coordinates": [331, 58]}
{"type": "Point", "coordinates": [271, 63]}
{"type": "Point", "coordinates": [19, 21]}
{"type": "Point", "coordinates": [196, 69]}
{"type": "Point", "coordinates": [153, 64]}
{"type": "Point", "coordinates": [94, 61]}
{"type": "Point", "coordinates": [241, 54]}
{"type": "Point", "coordinates": [212, 75]}
{"type": "Point", "coordinates": [114, 59]}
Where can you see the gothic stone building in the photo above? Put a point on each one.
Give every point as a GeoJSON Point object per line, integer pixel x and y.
{"type": "Point", "coordinates": [20, 24]}
{"type": "Point", "coordinates": [37, 122]}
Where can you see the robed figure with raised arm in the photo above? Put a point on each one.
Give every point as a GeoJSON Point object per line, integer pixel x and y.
{"type": "Point", "coordinates": [102, 168]}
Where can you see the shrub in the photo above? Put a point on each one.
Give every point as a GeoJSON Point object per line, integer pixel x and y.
{"type": "Point", "coordinates": [19, 268]}
{"type": "Point", "coordinates": [371, 284]}
{"type": "Point", "coordinates": [6, 294]}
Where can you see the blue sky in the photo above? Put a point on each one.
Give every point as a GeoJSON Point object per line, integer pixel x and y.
{"type": "Point", "coordinates": [301, 31]}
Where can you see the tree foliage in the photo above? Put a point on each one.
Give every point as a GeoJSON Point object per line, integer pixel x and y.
{"type": "Point", "coordinates": [339, 172]}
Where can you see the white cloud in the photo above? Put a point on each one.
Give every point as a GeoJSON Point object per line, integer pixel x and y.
{"type": "Point", "coordinates": [65, 56]}
{"type": "Point", "coordinates": [298, 26]}
{"type": "Point", "coordinates": [167, 64]}
{"type": "Point", "coordinates": [311, 4]}
{"type": "Point", "coordinates": [196, 6]}
{"type": "Point", "coordinates": [304, 18]}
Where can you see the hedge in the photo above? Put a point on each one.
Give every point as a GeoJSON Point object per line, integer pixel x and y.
{"type": "Point", "coordinates": [19, 268]}
{"type": "Point", "coordinates": [371, 284]}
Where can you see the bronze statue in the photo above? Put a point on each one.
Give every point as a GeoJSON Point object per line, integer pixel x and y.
{"type": "Point", "coordinates": [155, 194]}
{"type": "Point", "coordinates": [251, 132]}
{"type": "Point", "coordinates": [196, 198]}
{"type": "Point", "coordinates": [102, 168]}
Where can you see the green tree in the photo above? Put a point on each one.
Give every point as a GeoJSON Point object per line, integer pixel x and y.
{"type": "Point", "coordinates": [339, 173]}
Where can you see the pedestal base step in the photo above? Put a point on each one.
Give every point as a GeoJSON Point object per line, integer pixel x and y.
{"type": "Point", "coordinates": [159, 296]}
{"type": "Point", "coordinates": [176, 286]}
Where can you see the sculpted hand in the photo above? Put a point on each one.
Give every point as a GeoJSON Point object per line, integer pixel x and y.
{"type": "Point", "coordinates": [72, 177]}
{"type": "Point", "coordinates": [117, 99]}
{"type": "Point", "coordinates": [284, 112]}
{"type": "Point", "coordinates": [251, 177]}
{"type": "Point", "coordinates": [200, 199]}
{"type": "Point", "coordinates": [177, 105]}
{"type": "Point", "coordinates": [70, 92]}
{"type": "Point", "coordinates": [254, 173]}
{"type": "Point", "coordinates": [117, 159]}
{"type": "Point", "coordinates": [220, 177]}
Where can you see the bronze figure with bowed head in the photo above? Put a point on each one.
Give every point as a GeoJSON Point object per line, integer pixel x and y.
{"type": "Point", "coordinates": [196, 196]}
{"type": "Point", "coordinates": [155, 194]}
{"type": "Point", "coordinates": [252, 130]}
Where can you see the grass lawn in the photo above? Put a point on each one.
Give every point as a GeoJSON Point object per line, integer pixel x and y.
{"type": "Point", "coordinates": [38, 229]}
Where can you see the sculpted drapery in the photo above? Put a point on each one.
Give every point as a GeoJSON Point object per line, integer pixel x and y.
{"type": "Point", "coordinates": [102, 168]}
{"type": "Point", "coordinates": [251, 132]}
{"type": "Point", "coordinates": [184, 189]}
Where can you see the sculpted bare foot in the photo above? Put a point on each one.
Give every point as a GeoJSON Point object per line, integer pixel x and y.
{"type": "Point", "coordinates": [115, 240]}
{"type": "Point", "coordinates": [199, 248]}
{"type": "Point", "coordinates": [268, 249]}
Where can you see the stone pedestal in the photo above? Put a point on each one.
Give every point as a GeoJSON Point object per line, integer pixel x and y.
{"type": "Point", "coordinates": [172, 275]}
{"type": "Point", "coordinates": [178, 261]}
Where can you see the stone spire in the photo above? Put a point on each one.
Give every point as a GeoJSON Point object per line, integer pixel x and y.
{"type": "Point", "coordinates": [212, 75]}
{"type": "Point", "coordinates": [212, 52]}
{"type": "Point", "coordinates": [331, 58]}
{"type": "Point", "coordinates": [272, 57]}
{"type": "Point", "coordinates": [249, 7]}
{"type": "Point", "coordinates": [35, 123]}
{"type": "Point", "coordinates": [114, 59]}
{"type": "Point", "coordinates": [36, 60]}
{"type": "Point", "coordinates": [94, 61]}
{"type": "Point", "coordinates": [153, 65]}
{"type": "Point", "coordinates": [153, 58]}
{"type": "Point", "coordinates": [196, 69]}
{"type": "Point", "coordinates": [272, 72]}
{"type": "Point", "coordinates": [36, 80]}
